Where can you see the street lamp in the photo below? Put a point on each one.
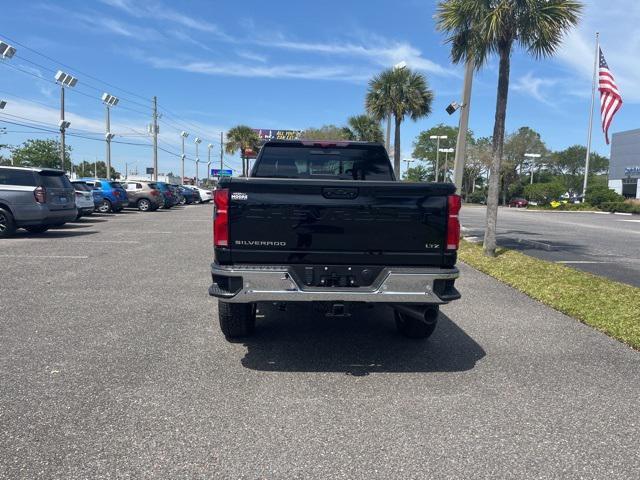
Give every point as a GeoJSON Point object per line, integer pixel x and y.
{"type": "Point", "coordinates": [209, 147]}
{"type": "Point", "coordinates": [437, 138]}
{"type": "Point", "coordinates": [184, 135]}
{"type": "Point", "coordinates": [197, 141]}
{"type": "Point", "coordinates": [6, 50]}
{"type": "Point", "coordinates": [533, 156]}
{"type": "Point", "coordinates": [446, 151]}
{"type": "Point", "coordinates": [64, 80]}
{"type": "Point", "coordinates": [109, 101]}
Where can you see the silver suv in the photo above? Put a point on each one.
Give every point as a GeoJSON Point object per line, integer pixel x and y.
{"type": "Point", "coordinates": [34, 199]}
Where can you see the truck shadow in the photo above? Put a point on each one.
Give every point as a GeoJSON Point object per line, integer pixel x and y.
{"type": "Point", "coordinates": [302, 340]}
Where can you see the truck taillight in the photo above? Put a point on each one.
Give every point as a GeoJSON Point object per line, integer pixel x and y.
{"type": "Point", "coordinates": [454, 202]}
{"type": "Point", "coordinates": [41, 194]}
{"type": "Point", "coordinates": [221, 218]}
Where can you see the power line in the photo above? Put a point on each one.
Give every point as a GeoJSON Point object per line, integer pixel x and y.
{"type": "Point", "coordinates": [11, 40]}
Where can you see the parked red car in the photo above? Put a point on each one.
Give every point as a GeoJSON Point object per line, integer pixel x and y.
{"type": "Point", "coordinates": [518, 203]}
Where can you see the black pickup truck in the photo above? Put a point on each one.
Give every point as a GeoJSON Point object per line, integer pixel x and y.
{"type": "Point", "coordinates": [327, 222]}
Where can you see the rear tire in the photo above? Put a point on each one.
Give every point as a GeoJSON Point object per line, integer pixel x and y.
{"type": "Point", "coordinates": [412, 327]}
{"type": "Point", "coordinates": [144, 205]}
{"type": "Point", "coordinates": [7, 224]}
{"type": "Point", "coordinates": [37, 228]}
{"type": "Point", "coordinates": [237, 319]}
{"type": "Point", "coordinates": [105, 206]}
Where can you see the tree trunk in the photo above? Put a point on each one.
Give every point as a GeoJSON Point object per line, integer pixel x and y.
{"type": "Point", "coordinates": [396, 147]}
{"type": "Point", "coordinates": [489, 245]}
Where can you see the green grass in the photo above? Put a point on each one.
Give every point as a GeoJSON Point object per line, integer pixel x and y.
{"type": "Point", "coordinates": [610, 307]}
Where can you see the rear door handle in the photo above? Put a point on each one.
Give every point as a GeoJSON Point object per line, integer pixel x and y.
{"type": "Point", "coordinates": [340, 192]}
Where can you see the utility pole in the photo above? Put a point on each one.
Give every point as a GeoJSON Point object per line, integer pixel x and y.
{"type": "Point", "coordinates": [209, 147]}
{"type": "Point", "coordinates": [463, 127]}
{"type": "Point", "coordinates": [154, 132]}
{"type": "Point", "coordinates": [198, 141]}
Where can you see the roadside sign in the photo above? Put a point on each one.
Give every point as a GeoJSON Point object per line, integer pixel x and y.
{"type": "Point", "coordinates": [149, 170]}
{"type": "Point", "coordinates": [217, 172]}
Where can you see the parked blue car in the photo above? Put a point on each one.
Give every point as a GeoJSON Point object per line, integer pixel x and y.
{"type": "Point", "coordinates": [187, 194]}
{"type": "Point", "coordinates": [114, 195]}
{"type": "Point", "coordinates": [167, 194]}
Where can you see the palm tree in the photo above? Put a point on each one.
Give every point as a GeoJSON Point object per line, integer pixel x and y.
{"type": "Point", "coordinates": [478, 28]}
{"type": "Point", "coordinates": [242, 138]}
{"type": "Point", "coordinates": [401, 92]}
{"type": "Point", "coordinates": [365, 128]}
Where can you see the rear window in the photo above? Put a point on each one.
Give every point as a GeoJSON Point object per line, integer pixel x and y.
{"type": "Point", "coordinates": [23, 178]}
{"type": "Point", "coordinates": [54, 180]}
{"type": "Point", "coordinates": [115, 185]}
{"type": "Point", "coordinates": [81, 186]}
{"type": "Point", "coordinates": [354, 162]}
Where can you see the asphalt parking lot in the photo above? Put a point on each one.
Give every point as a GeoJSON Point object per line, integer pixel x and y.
{"type": "Point", "coordinates": [603, 244]}
{"type": "Point", "coordinates": [112, 366]}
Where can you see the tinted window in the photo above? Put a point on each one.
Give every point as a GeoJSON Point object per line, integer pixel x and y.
{"type": "Point", "coordinates": [355, 162]}
{"type": "Point", "coordinates": [54, 180]}
{"type": "Point", "coordinates": [17, 177]}
{"type": "Point", "coordinates": [81, 186]}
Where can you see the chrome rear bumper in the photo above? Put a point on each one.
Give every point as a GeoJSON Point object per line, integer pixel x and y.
{"type": "Point", "coordinates": [266, 283]}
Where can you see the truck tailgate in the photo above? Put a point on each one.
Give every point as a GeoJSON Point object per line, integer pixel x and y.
{"type": "Point", "coordinates": [301, 221]}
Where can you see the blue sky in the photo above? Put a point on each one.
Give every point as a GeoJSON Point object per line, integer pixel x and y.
{"type": "Point", "coordinates": [281, 64]}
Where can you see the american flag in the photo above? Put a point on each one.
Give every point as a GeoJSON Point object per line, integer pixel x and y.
{"type": "Point", "coordinates": [610, 99]}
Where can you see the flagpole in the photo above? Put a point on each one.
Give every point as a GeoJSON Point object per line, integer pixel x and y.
{"type": "Point", "coordinates": [593, 101]}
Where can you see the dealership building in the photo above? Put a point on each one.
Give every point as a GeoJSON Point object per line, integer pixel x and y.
{"type": "Point", "coordinates": [624, 165]}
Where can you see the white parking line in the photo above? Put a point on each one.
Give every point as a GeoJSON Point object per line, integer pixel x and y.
{"type": "Point", "coordinates": [80, 257]}
{"type": "Point", "coordinates": [633, 221]}
{"type": "Point", "coordinates": [579, 261]}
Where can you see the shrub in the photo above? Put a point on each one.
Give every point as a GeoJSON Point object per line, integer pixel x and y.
{"type": "Point", "coordinates": [543, 193]}
{"type": "Point", "coordinates": [599, 194]}
{"type": "Point", "coordinates": [622, 207]}
{"type": "Point", "coordinates": [477, 197]}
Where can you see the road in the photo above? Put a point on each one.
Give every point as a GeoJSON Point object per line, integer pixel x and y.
{"type": "Point", "coordinates": [604, 244]}
{"type": "Point", "coordinates": [112, 366]}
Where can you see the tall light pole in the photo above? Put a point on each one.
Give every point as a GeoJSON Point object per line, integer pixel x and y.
{"type": "Point", "coordinates": [446, 152]}
{"type": "Point", "coordinates": [533, 156]}
{"type": "Point", "coordinates": [437, 138]}
{"type": "Point", "coordinates": [408, 161]}
{"type": "Point", "coordinates": [209, 147]}
{"type": "Point", "coordinates": [64, 80]}
{"type": "Point", "coordinates": [463, 127]}
{"type": "Point", "coordinates": [109, 101]}
{"type": "Point", "coordinates": [153, 128]}
{"type": "Point", "coordinates": [183, 135]}
{"type": "Point", "coordinates": [197, 141]}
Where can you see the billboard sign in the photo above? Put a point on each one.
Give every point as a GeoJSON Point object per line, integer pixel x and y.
{"type": "Point", "coordinates": [217, 172]}
{"type": "Point", "coordinates": [266, 134]}
{"type": "Point", "coordinates": [149, 170]}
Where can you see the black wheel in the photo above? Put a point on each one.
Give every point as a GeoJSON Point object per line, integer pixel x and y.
{"type": "Point", "coordinates": [237, 319]}
{"type": "Point", "coordinates": [78, 215]}
{"type": "Point", "coordinates": [412, 327]}
{"type": "Point", "coordinates": [183, 201]}
{"type": "Point", "coordinates": [144, 205]}
{"type": "Point", "coordinates": [105, 206]}
{"type": "Point", "coordinates": [7, 225]}
{"type": "Point", "coordinates": [37, 229]}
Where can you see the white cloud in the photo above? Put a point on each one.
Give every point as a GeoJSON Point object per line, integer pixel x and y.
{"type": "Point", "coordinates": [307, 72]}
{"type": "Point", "coordinates": [532, 86]}
{"type": "Point", "coordinates": [253, 56]}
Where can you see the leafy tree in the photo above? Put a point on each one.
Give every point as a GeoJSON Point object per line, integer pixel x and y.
{"type": "Point", "coordinates": [89, 169]}
{"type": "Point", "coordinates": [477, 162]}
{"type": "Point", "coordinates": [401, 92]}
{"type": "Point", "coordinates": [569, 164]}
{"type": "Point", "coordinates": [515, 166]}
{"type": "Point", "coordinates": [477, 29]}
{"type": "Point", "coordinates": [242, 138]}
{"type": "Point", "coordinates": [327, 132]}
{"type": "Point", "coordinates": [365, 128]}
{"type": "Point", "coordinates": [424, 148]}
{"type": "Point", "coordinates": [40, 153]}
{"type": "Point", "coordinates": [419, 173]}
